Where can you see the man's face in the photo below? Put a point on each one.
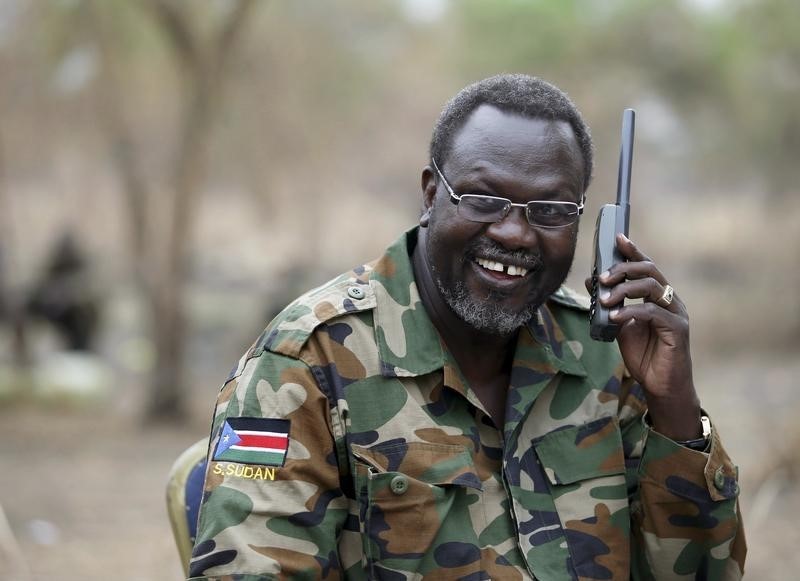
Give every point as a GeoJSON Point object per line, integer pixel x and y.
{"type": "Point", "coordinates": [506, 155]}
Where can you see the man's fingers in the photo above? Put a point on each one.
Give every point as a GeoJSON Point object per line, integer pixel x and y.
{"type": "Point", "coordinates": [644, 288]}
{"type": "Point", "coordinates": [638, 266]}
{"type": "Point", "coordinates": [629, 250]}
{"type": "Point", "coordinates": [652, 314]}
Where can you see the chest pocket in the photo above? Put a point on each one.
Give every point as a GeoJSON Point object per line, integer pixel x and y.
{"type": "Point", "coordinates": [410, 497]}
{"type": "Point", "coordinates": [585, 469]}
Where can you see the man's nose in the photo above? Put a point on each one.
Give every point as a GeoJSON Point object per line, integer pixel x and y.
{"type": "Point", "coordinates": [513, 231]}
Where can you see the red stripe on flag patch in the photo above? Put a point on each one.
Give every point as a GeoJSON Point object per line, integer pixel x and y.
{"type": "Point", "coordinates": [254, 441]}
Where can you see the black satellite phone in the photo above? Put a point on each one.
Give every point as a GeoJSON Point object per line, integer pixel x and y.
{"type": "Point", "coordinates": [612, 219]}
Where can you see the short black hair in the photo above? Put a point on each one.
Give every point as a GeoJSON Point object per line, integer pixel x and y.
{"type": "Point", "coordinates": [524, 95]}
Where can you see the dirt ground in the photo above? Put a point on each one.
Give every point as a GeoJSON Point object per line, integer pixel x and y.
{"type": "Point", "coordinates": [83, 492]}
{"type": "Point", "coordinates": [83, 489]}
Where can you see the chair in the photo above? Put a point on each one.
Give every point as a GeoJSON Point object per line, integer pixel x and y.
{"type": "Point", "coordinates": [184, 493]}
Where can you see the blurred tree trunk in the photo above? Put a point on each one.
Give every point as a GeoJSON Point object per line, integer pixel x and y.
{"type": "Point", "coordinates": [12, 306]}
{"type": "Point", "coordinates": [161, 239]}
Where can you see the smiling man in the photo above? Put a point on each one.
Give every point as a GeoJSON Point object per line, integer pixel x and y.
{"type": "Point", "coordinates": [441, 413]}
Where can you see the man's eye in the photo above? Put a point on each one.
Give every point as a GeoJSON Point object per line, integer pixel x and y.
{"type": "Point", "coordinates": [546, 210]}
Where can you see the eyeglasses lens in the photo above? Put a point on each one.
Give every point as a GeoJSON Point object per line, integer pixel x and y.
{"type": "Point", "coordinates": [551, 215]}
{"type": "Point", "coordinates": [482, 208]}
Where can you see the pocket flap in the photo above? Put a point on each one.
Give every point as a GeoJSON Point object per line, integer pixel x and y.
{"type": "Point", "coordinates": [581, 452]}
{"type": "Point", "coordinates": [439, 464]}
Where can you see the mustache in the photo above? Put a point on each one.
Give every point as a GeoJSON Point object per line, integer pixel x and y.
{"type": "Point", "coordinates": [492, 250]}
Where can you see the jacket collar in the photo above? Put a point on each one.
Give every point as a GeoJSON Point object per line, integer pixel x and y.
{"type": "Point", "coordinates": [409, 344]}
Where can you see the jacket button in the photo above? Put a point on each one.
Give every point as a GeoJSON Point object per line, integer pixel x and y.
{"type": "Point", "coordinates": [399, 485]}
{"type": "Point", "coordinates": [719, 479]}
{"type": "Point", "coordinates": [355, 292]}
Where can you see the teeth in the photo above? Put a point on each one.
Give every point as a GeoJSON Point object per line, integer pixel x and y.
{"type": "Point", "coordinates": [510, 269]}
{"type": "Point", "coordinates": [491, 265]}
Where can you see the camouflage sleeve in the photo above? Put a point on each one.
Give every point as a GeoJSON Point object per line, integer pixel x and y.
{"type": "Point", "coordinates": [272, 505]}
{"type": "Point", "coordinates": [685, 515]}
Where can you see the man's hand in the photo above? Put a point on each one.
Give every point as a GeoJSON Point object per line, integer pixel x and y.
{"type": "Point", "coordinates": [654, 341]}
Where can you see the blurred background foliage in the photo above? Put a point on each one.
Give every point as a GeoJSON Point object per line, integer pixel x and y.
{"type": "Point", "coordinates": [213, 159]}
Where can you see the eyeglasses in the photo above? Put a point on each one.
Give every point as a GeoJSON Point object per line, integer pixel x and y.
{"type": "Point", "coordinates": [489, 209]}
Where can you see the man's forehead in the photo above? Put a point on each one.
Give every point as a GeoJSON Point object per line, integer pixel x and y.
{"type": "Point", "coordinates": [490, 127]}
{"type": "Point", "coordinates": [507, 139]}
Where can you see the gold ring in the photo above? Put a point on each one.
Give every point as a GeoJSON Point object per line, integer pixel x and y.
{"type": "Point", "coordinates": [666, 298]}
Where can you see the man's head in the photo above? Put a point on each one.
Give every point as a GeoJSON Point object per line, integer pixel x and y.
{"type": "Point", "coordinates": [524, 95]}
{"type": "Point", "coordinates": [494, 275]}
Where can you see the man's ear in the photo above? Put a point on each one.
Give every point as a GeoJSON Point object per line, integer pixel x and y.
{"type": "Point", "coordinates": [428, 184]}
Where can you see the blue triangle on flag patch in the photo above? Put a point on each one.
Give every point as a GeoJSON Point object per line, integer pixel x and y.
{"type": "Point", "coordinates": [227, 439]}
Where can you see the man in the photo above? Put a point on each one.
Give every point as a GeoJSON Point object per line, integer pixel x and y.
{"type": "Point", "coordinates": [442, 413]}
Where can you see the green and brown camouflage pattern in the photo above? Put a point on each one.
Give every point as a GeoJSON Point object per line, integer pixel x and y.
{"type": "Point", "coordinates": [394, 471]}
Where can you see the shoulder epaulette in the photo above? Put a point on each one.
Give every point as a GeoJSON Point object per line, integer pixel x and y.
{"type": "Point", "coordinates": [570, 298]}
{"type": "Point", "coordinates": [290, 329]}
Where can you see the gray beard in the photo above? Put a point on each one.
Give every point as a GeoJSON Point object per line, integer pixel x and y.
{"type": "Point", "coordinates": [484, 315]}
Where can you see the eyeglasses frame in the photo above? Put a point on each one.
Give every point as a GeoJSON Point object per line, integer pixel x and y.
{"type": "Point", "coordinates": [455, 199]}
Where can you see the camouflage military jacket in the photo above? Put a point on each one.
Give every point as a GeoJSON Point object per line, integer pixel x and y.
{"type": "Point", "coordinates": [347, 445]}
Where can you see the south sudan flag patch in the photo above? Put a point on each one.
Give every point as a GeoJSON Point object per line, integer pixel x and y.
{"type": "Point", "coordinates": [262, 441]}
